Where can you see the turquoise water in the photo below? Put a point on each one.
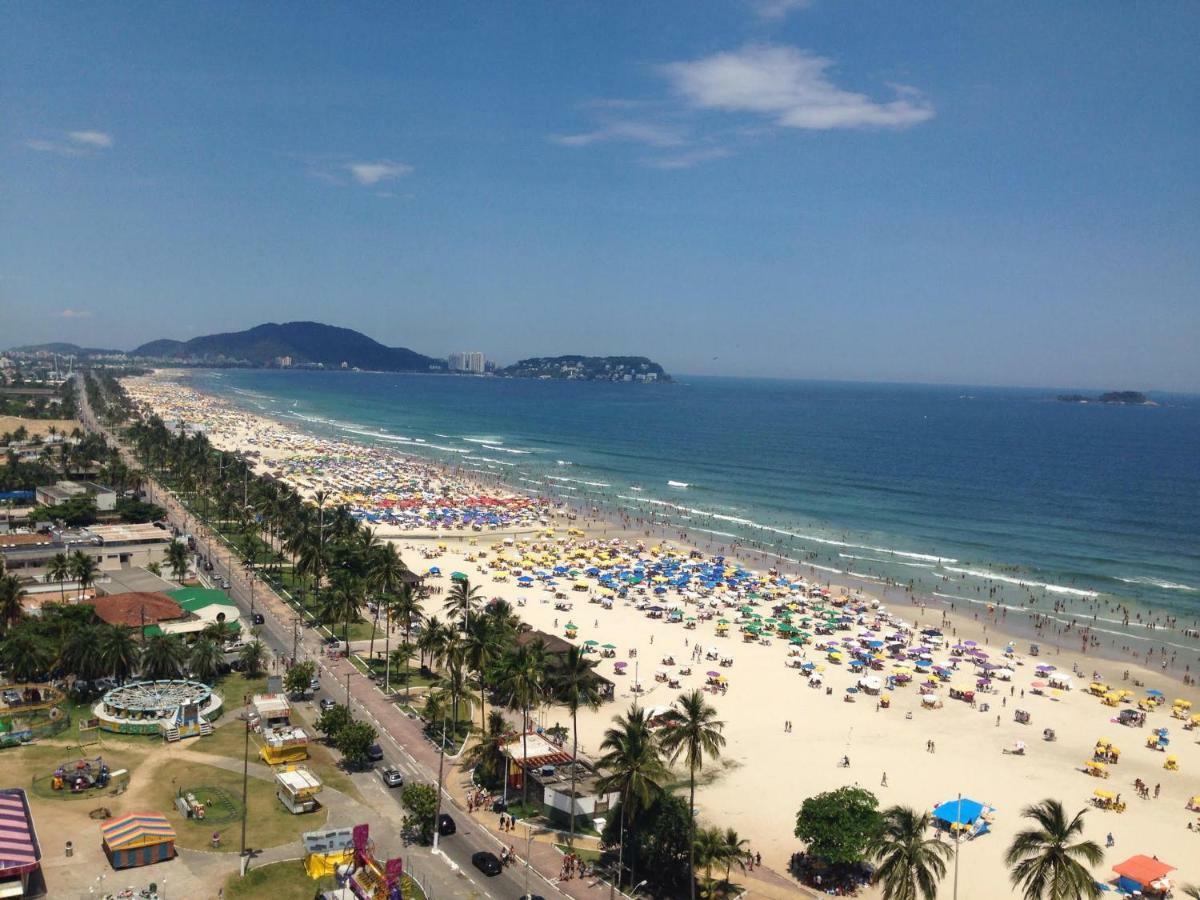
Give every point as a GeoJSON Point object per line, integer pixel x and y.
{"type": "Point", "coordinates": [971, 492]}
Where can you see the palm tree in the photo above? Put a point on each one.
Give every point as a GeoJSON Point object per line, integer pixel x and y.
{"type": "Point", "coordinates": [163, 656]}
{"type": "Point", "coordinates": [481, 646]}
{"type": "Point", "coordinates": [709, 846]}
{"type": "Point", "coordinates": [205, 659]}
{"type": "Point", "coordinates": [119, 651]}
{"type": "Point", "coordinates": [691, 729]}
{"type": "Point", "coordinates": [59, 569]}
{"type": "Point", "coordinates": [385, 575]}
{"type": "Point", "coordinates": [402, 656]}
{"type": "Point", "coordinates": [1044, 862]}
{"type": "Point", "coordinates": [252, 657]}
{"type": "Point", "coordinates": [635, 770]}
{"type": "Point", "coordinates": [910, 864]}
{"type": "Point", "coordinates": [80, 653]}
{"type": "Point", "coordinates": [25, 655]}
{"type": "Point", "coordinates": [406, 606]}
{"type": "Point", "coordinates": [344, 601]}
{"type": "Point", "coordinates": [573, 684]}
{"type": "Point", "coordinates": [462, 601]}
{"type": "Point", "coordinates": [523, 682]}
{"type": "Point", "coordinates": [11, 594]}
{"type": "Point", "coordinates": [177, 558]}
{"type": "Point", "coordinates": [433, 640]}
{"type": "Point", "coordinates": [486, 754]}
{"type": "Point", "coordinates": [84, 568]}
{"type": "Point", "coordinates": [737, 850]}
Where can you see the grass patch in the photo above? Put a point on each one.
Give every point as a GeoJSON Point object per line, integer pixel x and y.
{"type": "Point", "coordinates": [282, 879]}
{"type": "Point", "coordinates": [268, 823]}
{"type": "Point", "coordinates": [288, 879]}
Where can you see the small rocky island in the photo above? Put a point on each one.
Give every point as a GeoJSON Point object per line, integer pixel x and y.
{"type": "Point", "coordinates": [1122, 398]}
{"type": "Point", "coordinates": [587, 368]}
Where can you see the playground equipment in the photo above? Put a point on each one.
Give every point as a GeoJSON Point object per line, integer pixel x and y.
{"type": "Point", "coordinates": [81, 775]}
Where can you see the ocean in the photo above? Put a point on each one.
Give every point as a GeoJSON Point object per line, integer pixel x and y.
{"type": "Point", "coordinates": [995, 493]}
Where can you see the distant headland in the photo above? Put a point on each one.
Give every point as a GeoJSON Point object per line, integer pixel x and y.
{"type": "Point", "coordinates": [1122, 398]}
{"type": "Point", "coordinates": [313, 345]}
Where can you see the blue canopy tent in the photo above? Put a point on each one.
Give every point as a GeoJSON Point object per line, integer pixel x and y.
{"type": "Point", "coordinates": [963, 814]}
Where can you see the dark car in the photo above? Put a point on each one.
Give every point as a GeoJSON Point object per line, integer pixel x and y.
{"type": "Point", "coordinates": [487, 863]}
{"type": "Point", "coordinates": [257, 619]}
{"type": "Point", "coordinates": [327, 703]}
{"type": "Point", "coordinates": [446, 825]}
{"type": "Point", "coordinates": [392, 777]}
{"type": "Point", "coordinates": [374, 753]}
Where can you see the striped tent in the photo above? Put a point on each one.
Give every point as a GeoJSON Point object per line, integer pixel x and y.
{"type": "Point", "coordinates": [138, 839]}
{"type": "Point", "coordinates": [19, 849]}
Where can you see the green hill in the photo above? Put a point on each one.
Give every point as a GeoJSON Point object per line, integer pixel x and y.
{"type": "Point", "coordinates": [305, 343]}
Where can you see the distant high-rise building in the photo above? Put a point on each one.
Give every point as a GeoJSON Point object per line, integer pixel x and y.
{"type": "Point", "coordinates": [473, 362]}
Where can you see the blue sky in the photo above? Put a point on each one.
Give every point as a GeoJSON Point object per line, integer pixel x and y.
{"type": "Point", "coordinates": [975, 193]}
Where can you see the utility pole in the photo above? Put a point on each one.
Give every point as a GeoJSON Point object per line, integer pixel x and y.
{"type": "Point", "coordinates": [295, 637]}
{"type": "Point", "coordinates": [347, 684]}
{"type": "Point", "coordinates": [957, 837]}
{"type": "Point", "coordinates": [245, 788]}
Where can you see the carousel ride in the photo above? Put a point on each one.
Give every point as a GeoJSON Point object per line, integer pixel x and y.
{"type": "Point", "coordinates": [175, 709]}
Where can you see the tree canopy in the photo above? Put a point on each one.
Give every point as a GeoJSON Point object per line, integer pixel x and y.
{"type": "Point", "coordinates": [838, 826]}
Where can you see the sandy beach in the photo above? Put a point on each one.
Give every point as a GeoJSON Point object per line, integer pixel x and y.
{"type": "Point", "coordinates": [767, 770]}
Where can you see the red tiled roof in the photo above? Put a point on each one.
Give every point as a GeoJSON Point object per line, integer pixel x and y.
{"type": "Point", "coordinates": [127, 609]}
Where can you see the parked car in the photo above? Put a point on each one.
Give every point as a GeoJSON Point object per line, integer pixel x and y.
{"type": "Point", "coordinates": [446, 825]}
{"type": "Point", "coordinates": [12, 698]}
{"type": "Point", "coordinates": [487, 863]}
{"type": "Point", "coordinates": [314, 685]}
{"type": "Point", "coordinates": [257, 619]}
{"type": "Point", "coordinates": [374, 753]}
{"type": "Point", "coordinates": [392, 777]}
{"type": "Point", "coordinates": [327, 703]}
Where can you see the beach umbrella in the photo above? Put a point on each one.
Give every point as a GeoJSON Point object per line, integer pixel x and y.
{"type": "Point", "coordinates": [714, 674]}
{"type": "Point", "coordinates": [589, 643]}
{"type": "Point", "coordinates": [609, 646]}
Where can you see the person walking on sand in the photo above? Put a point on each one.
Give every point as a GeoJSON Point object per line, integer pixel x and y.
{"type": "Point", "coordinates": [883, 783]}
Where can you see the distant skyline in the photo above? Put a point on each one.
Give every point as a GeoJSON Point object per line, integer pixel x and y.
{"type": "Point", "coordinates": [980, 194]}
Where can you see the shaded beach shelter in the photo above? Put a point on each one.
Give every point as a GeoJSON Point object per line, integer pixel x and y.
{"type": "Point", "coordinates": [962, 814]}
{"type": "Point", "coordinates": [1143, 873]}
{"type": "Point", "coordinates": [138, 839]}
{"type": "Point", "coordinates": [434, 570]}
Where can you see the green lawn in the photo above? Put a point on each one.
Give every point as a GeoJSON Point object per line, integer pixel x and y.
{"type": "Point", "coordinates": [268, 823]}
{"type": "Point", "coordinates": [275, 882]}
{"type": "Point", "coordinates": [287, 880]}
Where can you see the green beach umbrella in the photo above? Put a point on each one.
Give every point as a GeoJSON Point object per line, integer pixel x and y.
{"type": "Point", "coordinates": [590, 643]}
{"type": "Point", "coordinates": [609, 646]}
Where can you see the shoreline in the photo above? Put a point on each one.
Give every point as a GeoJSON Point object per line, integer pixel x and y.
{"type": "Point", "coordinates": [1058, 626]}
{"type": "Point", "coordinates": [765, 693]}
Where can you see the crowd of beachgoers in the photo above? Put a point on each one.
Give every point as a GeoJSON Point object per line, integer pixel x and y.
{"type": "Point", "coordinates": [819, 685]}
{"type": "Point", "coordinates": [391, 490]}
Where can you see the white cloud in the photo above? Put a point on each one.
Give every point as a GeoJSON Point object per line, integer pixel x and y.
{"type": "Point", "coordinates": [777, 9]}
{"type": "Point", "coordinates": [369, 173]}
{"type": "Point", "coordinates": [74, 314]}
{"type": "Point", "coordinates": [687, 158]}
{"type": "Point", "coordinates": [92, 138]}
{"type": "Point", "coordinates": [637, 132]}
{"type": "Point", "coordinates": [77, 143]}
{"type": "Point", "coordinates": [790, 86]}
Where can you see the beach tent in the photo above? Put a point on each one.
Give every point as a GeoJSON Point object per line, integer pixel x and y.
{"type": "Point", "coordinates": [1143, 873]}
{"type": "Point", "coordinates": [958, 813]}
{"type": "Point", "coordinates": [138, 839]}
